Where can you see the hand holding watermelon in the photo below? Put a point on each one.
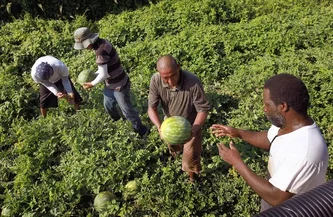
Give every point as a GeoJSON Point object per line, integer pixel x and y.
{"type": "Point", "coordinates": [86, 76]}
{"type": "Point", "coordinates": [87, 85]}
{"type": "Point", "coordinates": [70, 98]}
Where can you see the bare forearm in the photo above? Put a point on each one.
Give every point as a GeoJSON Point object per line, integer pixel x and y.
{"type": "Point", "coordinates": [154, 117]}
{"type": "Point", "coordinates": [257, 139]}
{"type": "Point", "coordinates": [198, 122]}
{"type": "Point", "coordinates": [261, 186]}
{"type": "Point", "coordinates": [200, 119]}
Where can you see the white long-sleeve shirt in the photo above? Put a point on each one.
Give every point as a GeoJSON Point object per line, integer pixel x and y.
{"type": "Point", "coordinates": [102, 74]}
{"type": "Point", "coordinates": [60, 71]}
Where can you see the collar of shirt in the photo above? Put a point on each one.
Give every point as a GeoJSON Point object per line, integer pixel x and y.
{"type": "Point", "coordinates": [179, 84]}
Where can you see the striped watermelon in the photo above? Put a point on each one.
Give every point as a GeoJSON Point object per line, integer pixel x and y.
{"type": "Point", "coordinates": [103, 200]}
{"type": "Point", "coordinates": [5, 211]}
{"type": "Point", "coordinates": [86, 76]}
{"type": "Point", "coordinates": [176, 130]}
{"type": "Point", "coordinates": [131, 188]}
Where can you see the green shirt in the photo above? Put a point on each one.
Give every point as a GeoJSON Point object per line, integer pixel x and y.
{"type": "Point", "coordinates": [186, 99]}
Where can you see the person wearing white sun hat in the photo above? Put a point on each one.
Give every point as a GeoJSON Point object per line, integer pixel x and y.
{"type": "Point", "coordinates": [111, 72]}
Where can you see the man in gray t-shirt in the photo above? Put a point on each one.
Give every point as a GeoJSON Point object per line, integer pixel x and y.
{"type": "Point", "coordinates": [180, 94]}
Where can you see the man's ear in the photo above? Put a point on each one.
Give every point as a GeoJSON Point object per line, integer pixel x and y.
{"type": "Point", "coordinates": [284, 107]}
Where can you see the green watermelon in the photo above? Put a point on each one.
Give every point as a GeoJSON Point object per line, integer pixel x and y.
{"type": "Point", "coordinates": [103, 199]}
{"type": "Point", "coordinates": [5, 211]}
{"type": "Point", "coordinates": [176, 130]}
{"type": "Point", "coordinates": [131, 188]}
{"type": "Point", "coordinates": [29, 214]}
{"type": "Point", "coordinates": [86, 76]}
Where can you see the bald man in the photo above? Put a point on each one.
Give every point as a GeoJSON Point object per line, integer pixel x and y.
{"type": "Point", "coordinates": [181, 94]}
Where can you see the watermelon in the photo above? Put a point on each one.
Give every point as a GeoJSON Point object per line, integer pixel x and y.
{"type": "Point", "coordinates": [102, 200]}
{"type": "Point", "coordinates": [176, 130]}
{"type": "Point", "coordinates": [131, 188]}
{"type": "Point", "coordinates": [5, 211]}
{"type": "Point", "coordinates": [86, 76]}
{"type": "Point", "coordinates": [29, 214]}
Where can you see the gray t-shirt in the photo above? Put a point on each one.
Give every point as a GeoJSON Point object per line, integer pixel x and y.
{"type": "Point", "coordinates": [186, 100]}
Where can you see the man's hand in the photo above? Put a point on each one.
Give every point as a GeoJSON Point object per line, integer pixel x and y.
{"type": "Point", "coordinates": [70, 98]}
{"type": "Point", "coordinates": [231, 156]}
{"type": "Point", "coordinates": [61, 95]}
{"type": "Point", "coordinates": [87, 85]}
{"type": "Point", "coordinates": [271, 194]}
{"type": "Point", "coordinates": [222, 130]}
{"type": "Point", "coordinates": [175, 150]}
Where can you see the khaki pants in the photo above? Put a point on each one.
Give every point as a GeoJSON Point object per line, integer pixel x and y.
{"type": "Point", "coordinates": [191, 153]}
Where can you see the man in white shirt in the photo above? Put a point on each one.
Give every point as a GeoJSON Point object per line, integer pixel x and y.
{"type": "Point", "coordinates": [298, 155]}
{"type": "Point", "coordinates": [53, 76]}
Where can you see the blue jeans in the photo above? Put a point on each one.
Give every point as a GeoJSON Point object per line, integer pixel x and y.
{"type": "Point", "coordinates": [122, 97]}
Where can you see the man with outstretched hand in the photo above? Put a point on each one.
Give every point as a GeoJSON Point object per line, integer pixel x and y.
{"type": "Point", "coordinates": [298, 155]}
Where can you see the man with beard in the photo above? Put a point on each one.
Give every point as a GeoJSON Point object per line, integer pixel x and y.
{"type": "Point", "coordinates": [298, 156]}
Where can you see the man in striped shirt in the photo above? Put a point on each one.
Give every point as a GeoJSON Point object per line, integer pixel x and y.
{"type": "Point", "coordinates": [111, 72]}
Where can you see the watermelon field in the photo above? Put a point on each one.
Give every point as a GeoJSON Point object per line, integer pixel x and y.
{"type": "Point", "coordinates": [56, 166]}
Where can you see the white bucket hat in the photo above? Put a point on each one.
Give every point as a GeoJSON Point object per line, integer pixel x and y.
{"type": "Point", "coordinates": [84, 37]}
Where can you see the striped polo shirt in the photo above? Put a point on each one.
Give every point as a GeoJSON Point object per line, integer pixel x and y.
{"type": "Point", "coordinates": [107, 54]}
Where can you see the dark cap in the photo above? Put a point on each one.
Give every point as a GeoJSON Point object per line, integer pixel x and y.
{"type": "Point", "coordinates": [44, 71]}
